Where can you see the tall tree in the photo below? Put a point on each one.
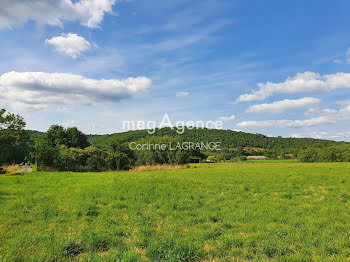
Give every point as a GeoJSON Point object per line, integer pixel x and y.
{"type": "Point", "coordinates": [56, 136]}
{"type": "Point", "coordinates": [71, 137]}
{"type": "Point", "coordinates": [14, 140]}
{"type": "Point", "coordinates": [76, 138]}
{"type": "Point", "coordinates": [11, 121]}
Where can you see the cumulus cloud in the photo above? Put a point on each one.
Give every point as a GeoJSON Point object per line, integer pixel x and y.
{"type": "Point", "coordinates": [227, 118]}
{"type": "Point", "coordinates": [322, 135]}
{"type": "Point", "coordinates": [281, 106]}
{"type": "Point", "coordinates": [38, 90]}
{"type": "Point", "coordinates": [316, 111]}
{"type": "Point", "coordinates": [319, 135]}
{"type": "Point", "coordinates": [182, 94]}
{"type": "Point", "coordinates": [69, 44]}
{"type": "Point", "coordinates": [343, 102]}
{"type": "Point", "coordinates": [90, 13]}
{"type": "Point", "coordinates": [301, 83]}
{"type": "Point", "coordinates": [286, 123]}
{"type": "Point", "coordinates": [328, 117]}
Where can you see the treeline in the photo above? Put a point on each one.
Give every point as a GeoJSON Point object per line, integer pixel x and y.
{"type": "Point", "coordinates": [235, 145]}
{"type": "Point", "coordinates": [228, 138]}
{"type": "Point", "coordinates": [68, 149]}
{"type": "Point", "coordinates": [335, 153]}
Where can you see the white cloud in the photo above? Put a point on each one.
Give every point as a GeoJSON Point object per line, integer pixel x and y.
{"type": "Point", "coordinates": [90, 13]}
{"type": "Point", "coordinates": [38, 90]}
{"type": "Point", "coordinates": [69, 44]}
{"type": "Point", "coordinates": [322, 135]}
{"type": "Point", "coordinates": [319, 135]}
{"type": "Point", "coordinates": [328, 111]}
{"type": "Point", "coordinates": [343, 102]}
{"type": "Point", "coordinates": [329, 116]}
{"type": "Point", "coordinates": [285, 123]}
{"type": "Point", "coordinates": [296, 135]}
{"type": "Point", "coordinates": [281, 106]}
{"type": "Point", "coordinates": [227, 118]}
{"type": "Point", "coordinates": [312, 111]}
{"type": "Point", "coordinates": [345, 59]}
{"type": "Point", "coordinates": [337, 61]}
{"type": "Point", "coordinates": [301, 83]}
{"type": "Point", "coordinates": [316, 111]}
{"type": "Point", "coordinates": [182, 94]}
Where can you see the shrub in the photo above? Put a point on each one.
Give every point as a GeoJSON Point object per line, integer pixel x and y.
{"type": "Point", "coordinates": [96, 161]}
{"type": "Point", "coordinates": [65, 161]}
{"type": "Point", "coordinates": [118, 161]}
{"type": "Point", "coordinates": [309, 155]}
{"type": "Point", "coordinates": [164, 150]}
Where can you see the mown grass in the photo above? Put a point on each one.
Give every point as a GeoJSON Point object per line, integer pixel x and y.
{"type": "Point", "coordinates": [221, 212]}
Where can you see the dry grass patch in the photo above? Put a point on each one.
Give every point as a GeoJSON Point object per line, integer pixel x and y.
{"type": "Point", "coordinates": [13, 170]}
{"type": "Point", "coordinates": [159, 167]}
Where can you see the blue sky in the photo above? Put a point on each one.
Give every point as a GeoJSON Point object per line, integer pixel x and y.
{"type": "Point", "coordinates": [96, 63]}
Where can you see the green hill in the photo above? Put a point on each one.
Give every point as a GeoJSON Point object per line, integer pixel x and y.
{"type": "Point", "coordinates": [228, 138]}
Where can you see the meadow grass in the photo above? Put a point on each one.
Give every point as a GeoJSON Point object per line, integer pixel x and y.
{"type": "Point", "coordinates": [215, 212]}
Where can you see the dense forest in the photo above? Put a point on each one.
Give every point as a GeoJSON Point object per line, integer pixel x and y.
{"type": "Point", "coordinates": [69, 149]}
{"type": "Point", "coordinates": [227, 138]}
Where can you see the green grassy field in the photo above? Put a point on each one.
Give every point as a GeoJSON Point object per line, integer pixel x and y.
{"type": "Point", "coordinates": [218, 212]}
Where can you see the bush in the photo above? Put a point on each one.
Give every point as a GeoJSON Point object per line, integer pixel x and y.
{"type": "Point", "coordinates": [163, 150]}
{"type": "Point", "coordinates": [96, 161]}
{"type": "Point", "coordinates": [243, 158]}
{"type": "Point", "coordinates": [65, 161]}
{"type": "Point", "coordinates": [46, 155]}
{"type": "Point", "coordinates": [309, 155]}
{"type": "Point", "coordinates": [113, 156]}
{"type": "Point", "coordinates": [118, 161]}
